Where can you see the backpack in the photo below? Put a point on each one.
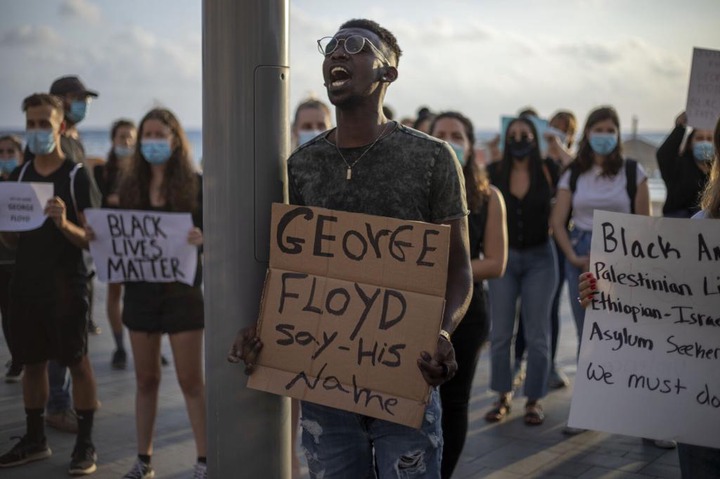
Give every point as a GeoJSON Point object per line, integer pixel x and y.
{"type": "Point", "coordinates": [630, 174]}
{"type": "Point", "coordinates": [72, 175]}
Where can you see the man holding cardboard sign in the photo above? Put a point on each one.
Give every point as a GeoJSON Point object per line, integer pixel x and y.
{"type": "Point", "coordinates": [371, 166]}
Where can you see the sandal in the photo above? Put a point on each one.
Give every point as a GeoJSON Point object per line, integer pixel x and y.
{"type": "Point", "coordinates": [534, 415]}
{"type": "Point", "coordinates": [499, 411]}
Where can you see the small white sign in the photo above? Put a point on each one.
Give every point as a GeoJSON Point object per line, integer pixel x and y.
{"type": "Point", "coordinates": [703, 103]}
{"type": "Point", "coordinates": [22, 205]}
{"type": "Point", "coordinates": [131, 246]}
{"type": "Point", "coordinates": [650, 354]}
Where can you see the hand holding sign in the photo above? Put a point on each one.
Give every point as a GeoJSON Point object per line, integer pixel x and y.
{"type": "Point", "coordinates": [56, 211]}
{"type": "Point", "coordinates": [440, 368]}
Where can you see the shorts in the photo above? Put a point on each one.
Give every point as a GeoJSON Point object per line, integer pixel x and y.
{"type": "Point", "coordinates": [49, 327]}
{"type": "Point", "coordinates": [163, 307]}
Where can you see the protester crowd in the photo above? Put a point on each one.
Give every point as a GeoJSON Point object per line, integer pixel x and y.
{"type": "Point", "coordinates": [520, 219]}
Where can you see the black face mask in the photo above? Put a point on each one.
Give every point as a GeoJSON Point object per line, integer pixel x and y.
{"type": "Point", "coordinates": [520, 148]}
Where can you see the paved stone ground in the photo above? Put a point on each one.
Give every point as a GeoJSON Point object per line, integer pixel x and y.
{"type": "Point", "coordinates": [509, 450]}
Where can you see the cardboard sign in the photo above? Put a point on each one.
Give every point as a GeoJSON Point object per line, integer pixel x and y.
{"type": "Point", "coordinates": [132, 246]}
{"type": "Point", "coordinates": [650, 356]}
{"type": "Point", "coordinates": [703, 103]}
{"type": "Point", "coordinates": [22, 205]}
{"type": "Point", "coordinates": [350, 301]}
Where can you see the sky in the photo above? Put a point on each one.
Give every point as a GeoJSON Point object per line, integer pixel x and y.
{"type": "Point", "coordinates": [484, 58]}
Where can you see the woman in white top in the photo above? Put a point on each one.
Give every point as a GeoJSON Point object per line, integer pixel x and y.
{"type": "Point", "coordinates": [600, 177]}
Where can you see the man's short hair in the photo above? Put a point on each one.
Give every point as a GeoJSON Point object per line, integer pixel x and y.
{"type": "Point", "coordinates": [40, 99]}
{"type": "Point", "coordinates": [384, 34]}
{"type": "Point", "coordinates": [15, 140]}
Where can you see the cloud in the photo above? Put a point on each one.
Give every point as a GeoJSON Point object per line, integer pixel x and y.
{"type": "Point", "coordinates": [591, 52]}
{"type": "Point", "coordinates": [82, 10]}
{"type": "Point", "coordinates": [29, 36]}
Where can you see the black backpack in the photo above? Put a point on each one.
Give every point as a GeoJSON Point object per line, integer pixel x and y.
{"type": "Point", "coordinates": [630, 174]}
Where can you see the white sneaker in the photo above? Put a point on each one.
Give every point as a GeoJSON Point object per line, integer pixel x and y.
{"type": "Point", "coordinates": [140, 470]}
{"type": "Point", "coordinates": [200, 471]}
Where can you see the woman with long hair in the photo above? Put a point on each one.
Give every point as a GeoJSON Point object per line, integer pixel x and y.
{"type": "Point", "coordinates": [488, 248]}
{"type": "Point", "coordinates": [162, 177]}
{"type": "Point", "coordinates": [527, 183]}
{"type": "Point", "coordinates": [123, 135]}
{"type": "Point", "coordinates": [685, 172]}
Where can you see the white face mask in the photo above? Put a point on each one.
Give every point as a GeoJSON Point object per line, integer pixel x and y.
{"type": "Point", "coordinates": [306, 135]}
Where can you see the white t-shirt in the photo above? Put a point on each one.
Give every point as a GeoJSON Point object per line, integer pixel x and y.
{"type": "Point", "coordinates": [594, 191]}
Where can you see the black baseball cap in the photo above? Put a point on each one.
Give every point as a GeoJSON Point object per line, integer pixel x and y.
{"type": "Point", "coordinates": [70, 84]}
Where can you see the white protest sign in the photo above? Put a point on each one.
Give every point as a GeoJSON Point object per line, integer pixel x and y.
{"type": "Point", "coordinates": [650, 357]}
{"type": "Point", "coordinates": [703, 103]}
{"type": "Point", "coordinates": [148, 246]}
{"type": "Point", "coordinates": [22, 205]}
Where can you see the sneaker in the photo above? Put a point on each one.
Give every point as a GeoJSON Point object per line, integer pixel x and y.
{"type": "Point", "coordinates": [93, 328]}
{"type": "Point", "coordinates": [140, 470]}
{"type": "Point", "coordinates": [83, 460]}
{"type": "Point", "coordinates": [14, 373]}
{"type": "Point", "coordinates": [25, 451]}
{"type": "Point", "coordinates": [573, 431]}
{"type": "Point", "coordinates": [558, 379]}
{"type": "Point", "coordinates": [65, 421]}
{"type": "Point", "coordinates": [200, 471]}
{"type": "Point", "coordinates": [119, 359]}
{"type": "Point", "coordinates": [661, 444]}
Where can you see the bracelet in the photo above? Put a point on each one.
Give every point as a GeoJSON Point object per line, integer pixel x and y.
{"type": "Point", "coordinates": [445, 335]}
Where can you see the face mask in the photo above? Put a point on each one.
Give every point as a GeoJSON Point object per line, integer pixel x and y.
{"type": "Point", "coordinates": [459, 152]}
{"type": "Point", "coordinates": [703, 151]}
{"type": "Point", "coordinates": [77, 112]}
{"type": "Point", "coordinates": [603, 143]}
{"type": "Point", "coordinates": [156, 152]}
{"type": "Point", "coordinates": [40, 142]}
{"type": "Point", "coordinates": [306, 135]}
{"type": "Point", "coordinates": [520, 148]}
{"type": "Point", "coordinates": [123, 151]}
{"type": "Point", "coordinates": [7, 166]}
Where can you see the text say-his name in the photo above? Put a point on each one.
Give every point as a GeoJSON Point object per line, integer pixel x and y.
{"type": "Point", "coordinates": [355, 244]}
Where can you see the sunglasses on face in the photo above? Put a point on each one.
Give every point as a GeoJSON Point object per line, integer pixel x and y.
{"type": "Point", "coordinates": [353, 44]}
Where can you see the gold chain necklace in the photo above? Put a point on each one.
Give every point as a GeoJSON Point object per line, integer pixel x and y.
{"type": "Point", "coordinates": [348, 176]}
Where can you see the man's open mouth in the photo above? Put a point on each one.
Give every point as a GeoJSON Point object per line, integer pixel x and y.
{"type": "Point", "coordinates": [339, 76]}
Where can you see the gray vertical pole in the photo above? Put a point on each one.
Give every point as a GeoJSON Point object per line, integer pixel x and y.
{"type": "Point", "coordinates": [245, 141]}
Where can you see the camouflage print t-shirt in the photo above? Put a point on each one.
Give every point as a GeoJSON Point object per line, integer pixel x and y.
{"type": "Point", "coordinates": [407, 175]}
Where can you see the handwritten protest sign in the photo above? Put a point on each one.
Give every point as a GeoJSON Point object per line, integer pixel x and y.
{"type": "Point", "coordinates": [650, 357]}
{"type": "Point", "coordinates": [22, 205]}
{"type": "Point", "coordinates": [350, 301]}
{"type": "Point", "coordinates": [149, 246]}
{"type": "Point", "coordinates": [703, 103]}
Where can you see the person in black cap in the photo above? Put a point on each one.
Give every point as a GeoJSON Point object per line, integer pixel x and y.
{"type": "Point", "coordinates": [76, 99]}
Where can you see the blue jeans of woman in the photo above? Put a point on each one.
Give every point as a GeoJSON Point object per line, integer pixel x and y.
{"type": "Point", "coordinates": [531, 276]}
{"type": "Point", "coordinates": [341, 444]}
{"type": "Point", "coordinates": [580, 241]}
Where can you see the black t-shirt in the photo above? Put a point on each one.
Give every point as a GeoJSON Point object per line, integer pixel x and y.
{"type": "Point", "coordinates": [407, 175]}
{"type": "Point", "coordinates": [44, 256]}
{"type": "Point", "coordinates": [528, 218]}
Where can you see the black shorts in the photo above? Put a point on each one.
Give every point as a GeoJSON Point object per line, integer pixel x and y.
{"type": "Point", "coordinates": [163, 307]}
{"type": "Point", "coordinates": [48, 327]}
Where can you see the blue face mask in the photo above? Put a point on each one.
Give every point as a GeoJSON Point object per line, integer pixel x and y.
{"type": "Point", "coordinates": [156, 152]}
{"type": "Point", "coordinates": [306, 135]}
{"type": "Point", "coordinates": [77, 111]}
{"type": "Point", "coordinates": [459, 152]}
{"type": "Point", "coordinates": [40, 142]}
{"type": "Point", "coordinates": [703, 151]}
{"type": "Point", "coordinates": [7, 166]}
{"type": "Point", "coordinates": [603, 143]}
{"type": "Point", "coordinates": [123, 151]}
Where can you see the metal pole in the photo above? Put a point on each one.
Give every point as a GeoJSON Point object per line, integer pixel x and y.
{"type": "Point", "coordinates": [245, 142]}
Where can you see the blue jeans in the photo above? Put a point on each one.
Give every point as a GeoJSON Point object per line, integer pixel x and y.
{"type": "Point", "coordinates": [531, 275]}
{"type": "Point", "coordinates": [580, 241]}
{"type": "Point", "coordinates": [59, 380]}
{"type": "Point", "coordinates": [342, 444]}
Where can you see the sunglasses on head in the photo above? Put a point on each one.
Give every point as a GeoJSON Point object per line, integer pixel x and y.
{"type": "Point", "coordinates": [353, 44]}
